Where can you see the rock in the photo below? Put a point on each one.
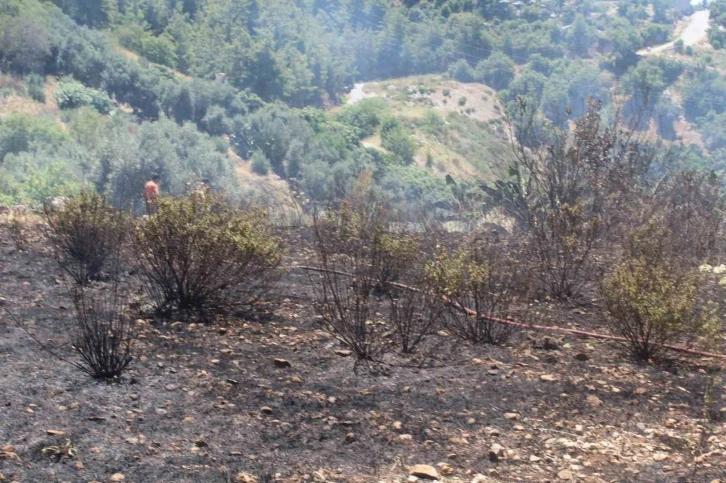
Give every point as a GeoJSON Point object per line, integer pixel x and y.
{"type": "Point", "coordinates": [405, 437]}
{"type": "Point", "coordinates": [397, 425]}
{"type": "Point", "coordinates": [534, 459]}
{"type": "Point", "coordinates": [582, 357]}
{"type": "Point", "coordinates": [282, 363]}
{"type": "Point", "coordinates": [550, 345]}
{"type": "Point", "coordinates": [445, 468]}
{"type": "Point", "coordinates": [511, 416]}
{"type": "Point", "coordinates": [245, 478]}
{"type": "Point", "coordinates": [344, 353]}
{"type": "Point", "coordinates": [424, 471]}
{"type": "Point", "coordinates": [171, 387]}
{"type": "Point", "coordinates": [117, 477]}
{"type": "Point", "coordinates": [579, 429]}
{"type": "Point", "coordinates": [350, 438]}
{"type": "Point", "coordinates": [670, 423]}
{"type": "Point", "coordinates": [55, 432]}
{"type": "Point", "coordinates": [593, 401]}
{"type": "Point", "coordinates": [266, 409]}
{"type": "Point", "coordinates": [660, 457]}
{"type": "Point", "coordinates": [496, 452]}
{"type": "Point", "coordinates": [547, 378]}
{"type": "Point", "coordinates": [564, 475]}
{"type": "Point", "coordinates": [200, 443]}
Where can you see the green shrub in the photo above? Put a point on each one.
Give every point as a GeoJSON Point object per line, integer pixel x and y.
{"type": "Point", "coordinates": [35, 85]}
{"type": "Point", "coordinates": [446, 92]}
{"type": "Point", "coordinates": [260, 164]}
{"type": "Point", "coordinates": [86, 233]}
{"type": "Point", "coordinates": [71, 94]}
{"type": "Point", "coordinates": [364, 115]}
{"type": "Point", "coordinates": [18, 133]}
{"type": "Point", "coordinates": [400, 143]}
{"type": "Point", "coordinates": [650, 301]}
{"type": "Point", "coordinates": [195, 249]}
{"type": "Point", "coordinates": [462, 101]}
{"type": "Point", "coordinates": [679, 46]}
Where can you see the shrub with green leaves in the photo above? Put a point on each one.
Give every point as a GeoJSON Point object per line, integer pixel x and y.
{"type": "Point", "coordinates": [71, 94]}
{"type": "Point", "coordinates": [196, 249]}
{"type": "Point", "coordinates": [481, 277]}
{"type": "Point", "coordinates": [260, 164]}
{"type": "Point", "coordinates": [35, 85]}
{"type": "Point", "coordinates": [87, 234]}
{"type": "Point", "coordinates": [651, 301]}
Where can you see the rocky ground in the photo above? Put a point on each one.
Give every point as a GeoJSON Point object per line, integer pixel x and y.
{"type": "Point", "coordinates": [271, 397]}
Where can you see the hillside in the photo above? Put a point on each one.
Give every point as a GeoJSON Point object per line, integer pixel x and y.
{"type": "Point", "coordinates": [362, 241]}
{"type": "Point", "coordinates": [244, 76]}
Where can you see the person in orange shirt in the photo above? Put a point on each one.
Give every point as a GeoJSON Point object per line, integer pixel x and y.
{"type": "Point", "coordinates": [151, 193]}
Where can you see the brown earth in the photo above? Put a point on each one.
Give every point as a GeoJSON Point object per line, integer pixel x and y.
{"type": "Point", "coordinates": [191, 407]}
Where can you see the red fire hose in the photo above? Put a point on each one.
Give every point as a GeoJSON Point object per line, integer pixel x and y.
{"type": "Point", "coordinates": [516, 323]}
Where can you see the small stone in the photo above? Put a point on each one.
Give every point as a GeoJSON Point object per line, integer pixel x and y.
{"type": "Point", "coordinates": [343, 353]}
{"type": "Point", "coordinates": [511, 416]}
{"type": "Point", "coordinates": [564, 474]}
{"type": "Point", "coordinates": [171, 387]}
{"type": "Point", "coordinates": [471, 421]}
{"type": "Point", "coordinates": [670, 423]}
{"type": "Point", "coordinates": [117, 477]}
{"type": "Point", "coordinates": [424, 471]}
{"type": "Point", "coordinates": [593, 401]}
{"type": "Point", "coordinates": [350, 438]}
{"type": "Point", "coordinates": [445, 468]}
{"type": "Point", "coordinates": [397, 425]}
{"type": "Point", "coordinates": [405, 437]}
{"type": "Point", "coordinates": [495, 452]}
{"type": "Point", "coordinates": [245, 478]}
{"type": "Point", "coordinates": [534, 459]}
{"type": "Point", "coordinates": [641, 391]}
{"type": "Point", "coordinates": [55, 432]}
{"type": "Point", "coordinates": [579, 429]}
{"type": "Point", "coordinates": [660, 457]}
{"type": "Point", "coordinates": [200, 443]}
{"type": "Point", "coordinates": [582, 357]}
{"type": "Point", "coordinates": [282, 363]}
{"type": "Point", "coordinates": [78, 465]}
{"type": "Point", "coordinates": [266, 409]}
{"type": "Point", "coordinates": [547, 378]}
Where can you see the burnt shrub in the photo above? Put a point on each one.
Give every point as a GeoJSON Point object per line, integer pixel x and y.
{"type": "Point", "coordinates": [196, 249]}
{"type": "Point", "coordinates": [481, 276]}
{"type": "Point", "coordinates": [87, 234]}
{"type": "Point", "coordinates": [349, 249]}
{"type": "Point", "coordinates": [370, 281]}
{"type": "Point", "coordinates": [103, 332]}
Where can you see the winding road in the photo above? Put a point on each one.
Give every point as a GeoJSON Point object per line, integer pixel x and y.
{"type": "Point", "coordinates": [695, 31]}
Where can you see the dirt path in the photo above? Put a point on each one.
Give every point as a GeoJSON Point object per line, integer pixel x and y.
{"type": "Point", "coordinates": [357, 94]}
{"type": "Point", "coordinates": [695, 31]}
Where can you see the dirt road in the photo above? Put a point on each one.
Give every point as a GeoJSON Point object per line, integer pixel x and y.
{"type": "Point", "coordinates": [695, 31]}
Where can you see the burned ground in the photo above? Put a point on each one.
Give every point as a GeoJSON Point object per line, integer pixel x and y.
{"type": "Point", "coordinates": [207, 402]}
